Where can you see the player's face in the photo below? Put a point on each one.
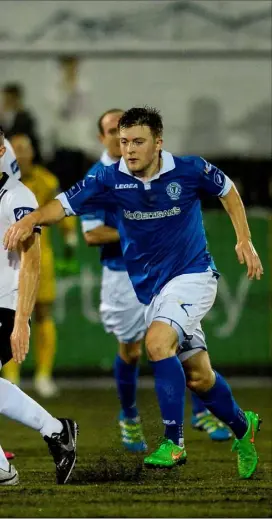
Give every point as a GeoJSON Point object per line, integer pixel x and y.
{"type": "Point", "coordinates": [139, 148]}
{"type": "Point", "coordinates": [23, 151]}
{"type": "Point", "coordinates": [110, 137]}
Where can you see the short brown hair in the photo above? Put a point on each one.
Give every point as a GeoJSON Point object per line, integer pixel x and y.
{"type": "Point", "coordinates": [100, 120]}
{"type": "Point", "coordinates": [145, 116]}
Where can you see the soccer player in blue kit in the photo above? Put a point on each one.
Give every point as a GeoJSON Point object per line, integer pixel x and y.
{"type": "Point", "coordinates": [157, 201]}
{"type": "Point", "coordinates": [121, 312]}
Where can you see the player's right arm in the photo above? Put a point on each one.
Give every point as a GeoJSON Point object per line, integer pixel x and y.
{"type": "Point", "coordinates": [18, 202]}
{"type": "Point", "coordinates": [27, 293]}
{"type": "Point", "coordinates": [74, 202]}
{"type": "Point", "coordinates": [50, 213]}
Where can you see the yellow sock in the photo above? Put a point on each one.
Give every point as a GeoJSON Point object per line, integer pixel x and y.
{"type": "Point", "coordinates": [11, 371]}
{"type": "Point", "coordinates": [45, 347]}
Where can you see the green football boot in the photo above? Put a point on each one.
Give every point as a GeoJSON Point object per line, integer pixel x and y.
{"type": "Point", "coordinates": [245, 447]}
{"type": "Point", "coordinates": [167, 455]}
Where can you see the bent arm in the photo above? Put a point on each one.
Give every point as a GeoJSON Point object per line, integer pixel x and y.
{"type": "Point", "coordinates": [20, 231]}
{"type": "Point", "coordinates": [215, 182]}
{"type": "Point", "coordinates": [245, 250]}
{"type": "Point", "coordinates": [101, 235]}
{"type": "Point", "coordinates": [50, 213]}
{"type": "Point", "coordinates": [234, 206]}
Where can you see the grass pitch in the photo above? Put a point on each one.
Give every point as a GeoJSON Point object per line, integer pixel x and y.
{"type": "Point", "coordinates": [108, 482]}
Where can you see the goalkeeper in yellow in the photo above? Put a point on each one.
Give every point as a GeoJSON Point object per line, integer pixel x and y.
{"type": "Point", "coordinates": [44, 185]}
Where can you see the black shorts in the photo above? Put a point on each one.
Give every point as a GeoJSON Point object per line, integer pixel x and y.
{"type": "Point", "coordinates": [6, 327]}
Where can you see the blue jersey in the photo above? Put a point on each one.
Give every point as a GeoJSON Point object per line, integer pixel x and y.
{"type": "Point", "coordinates": [159, 221]}
{"type": "Point", "coordinates": [110, 253]}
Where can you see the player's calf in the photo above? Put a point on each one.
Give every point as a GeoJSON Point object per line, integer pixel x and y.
{"type": "Point", "coordinates": [199, 374]}
{"type": "Point", "coordinates": [161, 342]}
{"type": "Point", "coordinates": [126, 376]}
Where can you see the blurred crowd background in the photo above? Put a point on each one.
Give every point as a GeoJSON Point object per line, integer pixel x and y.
{"type": "Point", "coordinates": [207, 66]}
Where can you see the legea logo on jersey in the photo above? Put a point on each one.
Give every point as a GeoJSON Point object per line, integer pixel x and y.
{"type": "Point", "coordinates": [174, 190]}
{"type": "Point", "coordinates": [126, 186]}
{"type": "Point", "coordinates": [20, 212]}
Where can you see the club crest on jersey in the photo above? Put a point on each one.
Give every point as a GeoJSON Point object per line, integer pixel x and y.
{"type": "Point", "coordinates": [174, 190]}
{"type": "Point", "coordinates": [20, 212]}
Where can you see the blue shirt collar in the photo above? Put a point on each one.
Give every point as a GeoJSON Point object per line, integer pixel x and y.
{"type": "Point", "coordinates": [106, 159]}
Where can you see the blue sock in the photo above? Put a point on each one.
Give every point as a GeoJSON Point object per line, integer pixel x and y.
{"type": "Point", "coordinates": [170, 387]}
{"type": "Point", "coordinates": [198, 405]}
{"type": "Point", "coordinates": [174, 433]}
{"type": "Point", "coordinates": [220, 402]}
{"type": "Point", "coordinates": [126, 376]}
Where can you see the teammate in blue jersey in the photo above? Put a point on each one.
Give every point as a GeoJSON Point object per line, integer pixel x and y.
{"type": "Point", "coordinates": [156, 197]}
{"type": "Point", "coordinates": [121, 312]}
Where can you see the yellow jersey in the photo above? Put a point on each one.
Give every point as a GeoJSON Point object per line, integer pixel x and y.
{"type": "Point", "coordinates": [44, 185]}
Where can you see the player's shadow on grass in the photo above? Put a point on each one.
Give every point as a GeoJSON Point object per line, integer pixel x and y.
{"type": "Point", "coordinates": [104, 471]}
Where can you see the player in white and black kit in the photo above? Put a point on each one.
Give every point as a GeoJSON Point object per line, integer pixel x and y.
{"type": "Point", "coordinates": [19, 278]}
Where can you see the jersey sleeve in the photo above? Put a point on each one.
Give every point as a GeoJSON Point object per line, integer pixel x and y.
{"type": "Point", "coordinates": [19, 202]}
{"type": "Point", "coordinates": [87, 195]}
{"type": "Point", "coordinates": [211, 179]}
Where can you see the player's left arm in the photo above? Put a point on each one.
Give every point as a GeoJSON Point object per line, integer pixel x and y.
{"type": "Point", "coordinates": [215, 182]}
{"type": "Point", "coordinates": [245, 250]}
{"type": "Point", "coordinates": [27, 293]}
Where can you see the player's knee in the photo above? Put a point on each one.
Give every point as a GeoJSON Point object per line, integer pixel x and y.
{"type": "Point", "coordinates": [134, 356]}
{"type": "Point", "coordinates": [156, 352]}
{"type": "Point", "coordinates": [134, 352]}
{"type": "Point", "coordinates": [130, 352]}
{"type": "Point", "coordinates": [199, 381]}
{"type": "Point", "coordinates": [161, 341]}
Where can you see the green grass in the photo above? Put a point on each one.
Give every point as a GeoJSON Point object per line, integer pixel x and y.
{"type": "Point", "coordinates": [108, 482]}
